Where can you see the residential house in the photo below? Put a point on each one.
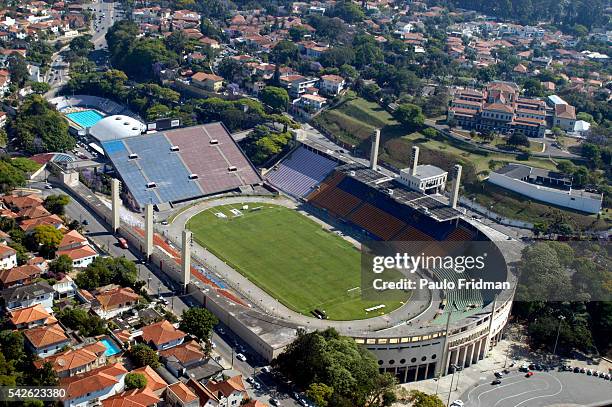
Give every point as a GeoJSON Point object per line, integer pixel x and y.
{"type": "Point", "coordinates": [189, 360]}
{"type": "Point", "coordinates": [91, 388]}
{"type": "Point", "coordinates": [114, 301]}
{"type": "Point", "coordinates": [29, 225]}
{"type": "Point", "coordinates": [76, 246]}
{"type": "Point", "coordinates": [31, 317]}
{"type": "Point", "coordinates": [155, 383]}
{"type": "Point", "coordinates": [179, 395]}
{"type": "Point", "coordinates": [28, 295]}
{"type": "Point", "coordinates": [45, 341]}
{"type": "Point", "coordinates": [65, 288]}
{"type": "Point", "coordinates": [207, 81]}
{"type": "Point", "coordinates": [297, 84]}
{"type": "Point", "coordinates": [5, 82]}
{"type": "Point", "coordinates": [254, 403]}
{"type": "Point", "coordinates": [308, 105]}
{"type": "Point", "coordinates": [76, 361]}
{"type": "Point", "coordinates": [162, 335]}
{"type": "Point", "coordinates": [565, 117]}
{"type": "Point", "coordinates": [230, 392]}
{"type": "Point", "coordinates": [133, 398]}
{"type": "Point", "coordinates": [8, 257]}
{"type": "Point", "coordinates": [20, 275]}
{"type": "Point", "coordinates": [331, 84]}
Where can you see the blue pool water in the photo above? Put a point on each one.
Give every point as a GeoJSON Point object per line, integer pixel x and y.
{"type": "Point", "coordinates": [111, 347]}
{"type": "Point", "coordinates": [86, 118]}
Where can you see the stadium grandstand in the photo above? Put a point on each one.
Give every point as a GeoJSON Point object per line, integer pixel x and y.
{"type": "Point", "coordinates": [299, 173]}
{"type": "Point", "coordinates": [179, 165]}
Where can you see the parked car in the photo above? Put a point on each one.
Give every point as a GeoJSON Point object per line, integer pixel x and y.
{"type": "Point", "coordinates": [529, 374]}
{"type": "Point", "coordinates": [266, 369]}
{"type": "Point", "coordinates": [241, 357]}
{"type": "Point", "coordinates": [496, 381]}
{"type": "Point", "coordinates": [275, 402]}
{"type": "Point", "coordinates": [457, 403]}
{"type": "Point", "coordinates": [498, 375]}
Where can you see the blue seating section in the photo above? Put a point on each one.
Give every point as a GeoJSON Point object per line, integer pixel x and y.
{"type": "Point", "coordinates": [164, 167]}
{"type": "Point", "coordinates": [298, 174]}
{"type": "Point", "coordinates": [155, 163]}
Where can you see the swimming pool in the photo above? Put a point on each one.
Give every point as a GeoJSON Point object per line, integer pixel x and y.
{"type": "Point", "coordinates": [85, 118]}
{"type": "Point", "coordinates": [111, 347]}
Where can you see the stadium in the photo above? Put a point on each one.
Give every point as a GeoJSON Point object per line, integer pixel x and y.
{"type": "Point", "coordinates": [412, 339]}
{"type": "Point", "coordinates": [294, 236]}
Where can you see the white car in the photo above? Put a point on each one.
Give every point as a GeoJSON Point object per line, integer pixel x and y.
{"type": "Point", "coordinates": [241, 357]}
{"type": "Point", "coordinates": [266, 369]}
{"type": "Point", "coordinates": [457, 403]}
{"type": "Point", "coordinates": [275, 402]}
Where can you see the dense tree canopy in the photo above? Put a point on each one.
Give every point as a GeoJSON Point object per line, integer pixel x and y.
{"type": "Point", "coordinates": [143, 355]}
{"type": "Point", "coordinates": [56, 203]}
{"type": "Point", "coordinates": [82, 321]}
{"type": "Point", "coordinates": [40, 128]}
{"type": "Point", "coordinates": [339, 363]}
{"type": "Point", "coordinates": [276, 98]}
{"type": "Point", "coordinates": [105, 270]}
{"type": "Point", "coordinates": [198, 322]}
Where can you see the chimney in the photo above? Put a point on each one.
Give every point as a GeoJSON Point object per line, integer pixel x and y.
{"type": "Point", "coordinates": [455, 189]}
{"type": "Point", "coordinates": [374, 151]}
{"type": "Point", "coordinates": [415, 160]}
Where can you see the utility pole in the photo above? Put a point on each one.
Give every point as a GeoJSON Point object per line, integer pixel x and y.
{"type": "Point", "coordinates": [561, 319]}
{"type": "Point", "coordinates": [450, 389]}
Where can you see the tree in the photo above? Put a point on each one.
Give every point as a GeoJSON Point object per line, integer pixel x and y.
{"type": "Point", "coordinates": [518, 139]}
{"type": "Point", "coordinates": [276, 98]}
{"type": "Point", "coordinates": [409, 115]}
{"type": "Point", "coordinates": [10, 177]}
{"type": "Point", "coordinates": [56, 203]}
{"type": "Point", "coordinates": [143, 355]}
{"type": "Point", "coordinates": [325, 357]}
{"type": "Point", "coordinates": [39, 127]}
{"type": "Point", "coordinates": [135, 381]}
{"type": "Point", "coordinates": [103, 271]}
{"type": "Point", "coordinates": [198, 322]}
{"type": "Point", "coordinates": [82, 45]}
{"type": "Point", "coordinates": [348, 11]}
{"type": "Point", "coordinates": [60, 266]}
{"type": "Point", "coordinates": [420, 399]}
{"type": "Point", "coordinates": [80, 320]}
{"type": "Point", "coordinates": [18, 68]}
{"type": "Point", "coordinates": [40, 87]}
{"type": "Point", "coordinates": [320, 394]}
{"type": "Point", "coordinates": [284, 52]}
{"type": "Point", "coordinates": [429, 132]}
{"type": "Point", "coordinates": [47, 238]}
{"type": "Point", "coordinates": [297, 33]}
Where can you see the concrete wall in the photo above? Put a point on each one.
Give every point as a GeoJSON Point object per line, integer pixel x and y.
{"type": "Point", "coordinates": [548, 195]}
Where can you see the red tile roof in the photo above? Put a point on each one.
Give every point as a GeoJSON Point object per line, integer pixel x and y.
{"type": "Point", "coordinates": [92, 381]}
{"type": "Point", "coordinates": [161, 332]}
{"type": "Point", "coordinates": [44, 336]}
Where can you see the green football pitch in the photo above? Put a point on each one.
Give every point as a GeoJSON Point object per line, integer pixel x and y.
{"type": "Point", "coordinates": [290, 256]}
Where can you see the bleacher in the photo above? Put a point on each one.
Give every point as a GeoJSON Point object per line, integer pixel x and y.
{"type": "Point", "coordinates": [164, 167]}
{"type": "Point", "coordinates": [336, 201]}
{"type": "Point", "coordinates": [376, 221]}
{"type": "Point", "coordinates": [458, 299]}
{"type": "Point", "coordinates": [298, 174]}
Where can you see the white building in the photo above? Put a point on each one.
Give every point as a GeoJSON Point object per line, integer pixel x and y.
{"type": "Point", "coordinates": [331, 84]}
{"type": "Point", "coordinates": [425, 178]}
{"type": "Point", "coordinates": [546, 186]}
{"type": "Point", "coordinates": [8, 257]}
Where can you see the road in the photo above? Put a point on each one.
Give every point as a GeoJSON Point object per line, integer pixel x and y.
{"type": "Point", "coordinates": [540, 390]}
{"type": "Point", "coordinates": [227, 343]}
{"type": "Point", "coordinates": [105, 15]}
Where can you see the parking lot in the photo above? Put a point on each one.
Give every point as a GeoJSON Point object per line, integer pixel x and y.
{"type": "Point", "coordinates": [541, 389]}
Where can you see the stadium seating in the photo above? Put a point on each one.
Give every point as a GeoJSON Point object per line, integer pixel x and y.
{"type": "Point", "coordinates": [460, 235]}
{"type": "Point", "coordinates": [298, 174]}
{"type": "Point", "coordinates": [410, 233]}
{"type": "Point", "coordinates": [461, 298]}
{"type": "Point", "coordinates": [330, 182]}
{"type": "Point", "coordinates": [376, 221]}
{"type": "Point", "coordinates": [336, 201]}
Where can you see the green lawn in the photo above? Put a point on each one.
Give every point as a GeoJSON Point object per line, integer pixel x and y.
{"type": "Point", "coordinates": [289, 256]}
